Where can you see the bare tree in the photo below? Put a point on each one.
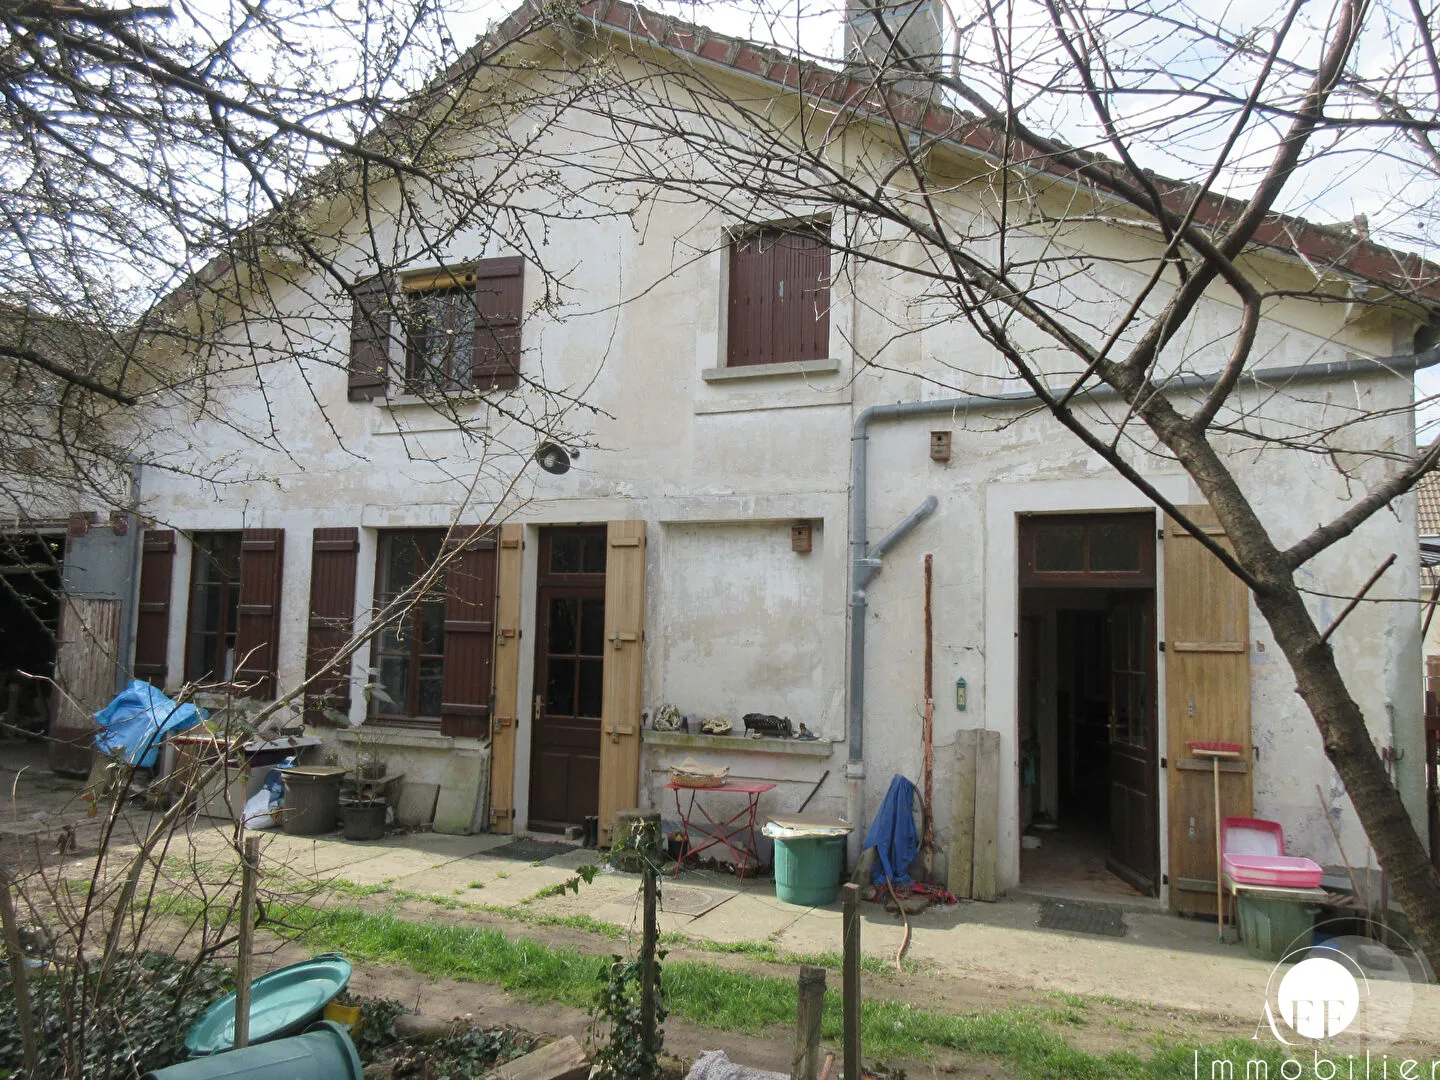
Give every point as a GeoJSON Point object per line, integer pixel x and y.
{"type": "Point", "coordinates": [1069, 114]}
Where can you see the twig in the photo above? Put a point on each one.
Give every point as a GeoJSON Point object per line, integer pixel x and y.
{"type": "Point", "coordinates": [905, 941]}
{"type": "Point", "coordinates": [1354, 600]}
{"type": "Point", "coordinates": [1362, 894]}
{"type": "Point", "coordinates": [18, 977]}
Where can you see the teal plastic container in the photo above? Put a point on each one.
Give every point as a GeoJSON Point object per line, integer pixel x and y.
{"type": "Point", "coordinates": [282, 1002]}
{"type": "Point", "coordinates": [323, 1052]}
{"type": "Point", "coordinates": [807, 869]}
{"type": "Point", "coordinates": [1269, 929]}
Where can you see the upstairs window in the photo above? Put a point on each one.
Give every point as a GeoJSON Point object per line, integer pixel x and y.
{"type": "Point", "coordinates": [779, 301]}
{"type": "Point", "coordinates": [458, 329]}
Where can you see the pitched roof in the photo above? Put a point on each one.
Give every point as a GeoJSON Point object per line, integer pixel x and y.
{"type": "Point", "coordinates": [1336, 247]}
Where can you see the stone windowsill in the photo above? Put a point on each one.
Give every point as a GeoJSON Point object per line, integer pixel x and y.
{"type": "Point", "coordinates": [460, 399]}
{"type": "Point", "coordinates": [407, 737]}
{"type": "Point", "coordinates": [766, 371]}
{"type": "Point", "coordinates": [737, 743]}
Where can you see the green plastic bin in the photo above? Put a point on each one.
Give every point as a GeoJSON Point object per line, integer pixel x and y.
{"type": "Point", "coordinates": [807, 869]}
{"type": "Point", "coordinates": [1269, 929]}
{"type": "Point", "coordinates": [324, 1052]}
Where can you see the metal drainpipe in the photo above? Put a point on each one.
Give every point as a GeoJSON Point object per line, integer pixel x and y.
{"type": "Point", "coordinates": [124, 665]}
{"type": "Point", "coordinates": [865, 563]}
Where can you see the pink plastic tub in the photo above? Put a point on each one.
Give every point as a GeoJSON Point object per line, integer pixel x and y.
{"type": "Point", "coordinates": [1282, 871]}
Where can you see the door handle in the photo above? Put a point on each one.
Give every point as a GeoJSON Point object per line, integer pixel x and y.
{"type": "Point", "coordinates": [539, 705]}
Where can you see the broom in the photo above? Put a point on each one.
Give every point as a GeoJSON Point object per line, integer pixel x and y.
{"type": "Point", "coordinates": [1216, 751]}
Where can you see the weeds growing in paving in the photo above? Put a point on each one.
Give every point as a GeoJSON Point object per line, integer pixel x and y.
{"type": "Point", "coordinates": [712, 996]}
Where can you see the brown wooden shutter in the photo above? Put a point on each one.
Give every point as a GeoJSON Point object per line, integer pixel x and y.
{"type": "Point", "coordinates": [623, 681]}
{"type": "Point", "coordinates": [257, 634]}
{"type": "Point", "coordinates": [1207, 698]}
{"type": "Point", "coordinates": [503, 724]}
{"type": "Point", "coordinates": [332, 618]}
{"type": "Point", "coordinates": [152, 622]}
{"type": "Point", "coordinates": [779, 306]}
{"type": "Point", "coordinates": [369, 338]}
{"type": "Point", "coordinates": [499, 301]}
{"type": "Point", "coordinates": [469, 632]}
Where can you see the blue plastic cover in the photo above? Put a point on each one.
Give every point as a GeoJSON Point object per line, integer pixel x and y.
{"type": "Point", "coordinates": [892, 833]}
{"type": "Point", "coordinates": [136, 722]}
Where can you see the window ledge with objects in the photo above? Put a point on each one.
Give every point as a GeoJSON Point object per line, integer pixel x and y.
{"type": "Point", "coordinates": [739, 744]}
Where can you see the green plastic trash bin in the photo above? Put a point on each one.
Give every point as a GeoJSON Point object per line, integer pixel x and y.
{"type": "Point", "coordinates": [323, 1052]}
{"type": "Point", "coordinates": [1269, 929]}
{"type": "Point", "coordinates": [807, 869]}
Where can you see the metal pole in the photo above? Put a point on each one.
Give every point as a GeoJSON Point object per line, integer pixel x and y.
{"type": "Point", "coordinates": [851, 931]}
{"type": "Point", "coordinates": [249, 871]}
{"type": "Point", "coordinates": [810, 1004]}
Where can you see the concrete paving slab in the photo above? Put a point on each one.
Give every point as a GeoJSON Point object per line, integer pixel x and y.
{"type": "Point", "coordinates": [571, 860]}
{"type": "Point", "coordinates": [603, 890]}
{"type": "Point", "coordinates": [452, 847]}
{"type": "Point", "coordinates": [390, 866]}
{"type": "Point", "coordinates": [744, 917]}
{"type": "Point", "coordinates": [628, 916]}
{"type": "Point", "coordinates": [518, 884]}
{"type": "Point", "coordinates": [818, 930]}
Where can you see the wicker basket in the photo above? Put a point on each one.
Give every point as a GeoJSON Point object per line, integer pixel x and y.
{"type": "Point", "coordinates": [690, 773]}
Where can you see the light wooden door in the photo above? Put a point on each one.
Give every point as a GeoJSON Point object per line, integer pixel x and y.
{"type": "Point", "coordinates": [624, 671]}
{"type": "Point", "coordinates": [88, 643]}
{"type": "Point", "coordinates": [507, 679]}
{"type": "Point", "coordinates": [1207, 698]}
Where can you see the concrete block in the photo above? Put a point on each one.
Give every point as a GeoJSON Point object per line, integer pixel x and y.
{"type": "Point", "coordinates": [461, 806]}
{"type": "Point", "coordinates": [417, 803]}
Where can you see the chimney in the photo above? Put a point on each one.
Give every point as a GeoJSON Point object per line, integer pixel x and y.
{"type": "Point", "coordinates": [916, 30]}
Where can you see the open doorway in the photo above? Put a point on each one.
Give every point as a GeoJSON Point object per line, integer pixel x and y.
{"type": "Point", "coordinates": [1089, 782]}
{"type": "Point", "coordinates": [29, 618]}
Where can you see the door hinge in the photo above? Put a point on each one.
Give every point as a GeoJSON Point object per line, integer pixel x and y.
{"type": "Point", "coordinates": [1163, 763]}
{"type": "Point", "coordinates": [1159, 534]}
{"type": "Point", "coordinates": [1164, 879]}
{"type": "Point", "coordinates": [498, 815]}
{"type": "Point", "coordinates": [1162, 646]}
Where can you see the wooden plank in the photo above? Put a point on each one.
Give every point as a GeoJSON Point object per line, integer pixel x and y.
{"type": "Point", "coordinates": [507, 679]}
{"type": "Point", "coordinates": [962, 824]}
{"type": "Point", "coordinates": [623, 683]}
{"type": "Point", "coordinates": [1207, 697]}
{"type": "Point", "coordinates": [89, 639]}
{"type": "Point", "coordinates": [987, 815]}
{"type": "Point", "coordinates": [563, 1059]}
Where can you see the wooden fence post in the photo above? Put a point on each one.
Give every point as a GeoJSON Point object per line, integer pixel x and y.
{"type": "Point", "coordinates": [18, 976]}
{"type": "Point", "coordinates": [805, 1059]}
{"type": "Point", "coordinates": [249, 871]}
{"type": "Point", "coordinates": [851, 931]}
{"type": "Point", "coordinates": [647, 957]}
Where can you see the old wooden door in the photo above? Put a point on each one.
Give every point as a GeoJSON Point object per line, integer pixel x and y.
{"type": "Point", "coordinates": [624, 671]}
{"type": "Point", "coordinates": [85, 678]}
{"type": "Point", "coordinates": [1207, 698]}
{"type": "Point", "coordinates": [1134, 774]}
{"type": "Point", "coordinates": [570, 659]}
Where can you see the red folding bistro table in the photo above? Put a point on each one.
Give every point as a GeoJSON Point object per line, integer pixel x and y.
{"type": "Point", "coordinates": [739, 824]}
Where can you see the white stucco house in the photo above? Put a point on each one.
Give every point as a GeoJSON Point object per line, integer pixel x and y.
{"type": "Point", "coordinates": [723, 542]}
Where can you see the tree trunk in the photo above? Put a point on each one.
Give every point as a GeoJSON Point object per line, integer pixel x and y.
{"type": "Point", "coordinates": [1351, 750]}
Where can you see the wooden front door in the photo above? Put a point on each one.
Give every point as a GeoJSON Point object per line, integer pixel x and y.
{"type": "Point", "coordinates": [569, 677]}
{"type": "Point", "coordinates": [1207, 699]}
{"type": "Point", "coordinates": [1134, 776]}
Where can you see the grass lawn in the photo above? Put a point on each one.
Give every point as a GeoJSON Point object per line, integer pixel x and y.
{"type": "Point", "coordinates": [709, 995]}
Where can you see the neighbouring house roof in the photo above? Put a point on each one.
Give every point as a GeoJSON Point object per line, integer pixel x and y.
{"type": "Point", "coordinates": [1427, 502]}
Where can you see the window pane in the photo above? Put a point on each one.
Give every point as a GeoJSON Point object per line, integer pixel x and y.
{"type": "Point", "coordinates": [565, 553]}
{"type": "Point", "coordinates": [1115, 547]}
{"type": "Point", "coordinates": [592, 626]}
{"type": "Point", "coordinates": [560, 688]}
{"type": "Point", "coordinates": [432, 673]}
{"type": "Point", "coordinates": [592, 674]}
{"type": "Point", "coordinates": [399, 553]}
{"type": "Point", "coordinates": [432, 628]}
{"type": "Point", "coordinates": [395, 681]}
{"type": "Point", "coordinates": [562, 624]}
{"type": "Point", "coordinates": [594, 553]}
{"type": "Point", "coordinates": [1059, 548]}
{"type": "Point", "coordinates": [205, 608]}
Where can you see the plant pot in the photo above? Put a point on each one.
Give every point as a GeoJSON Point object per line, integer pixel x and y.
{"type": "Point", "coordinates": [363, 821]}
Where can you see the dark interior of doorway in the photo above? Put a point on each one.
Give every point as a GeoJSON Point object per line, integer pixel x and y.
{"type": "Point", "coordinates": [1066, 666]}
{"type": "Point", "coordinates": [29, 618]}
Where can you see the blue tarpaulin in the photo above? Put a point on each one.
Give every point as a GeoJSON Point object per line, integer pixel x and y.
{"type": "Point", "coordinates": [136, 722]}
{"type": "Point", "coordinates": [892, 833]}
